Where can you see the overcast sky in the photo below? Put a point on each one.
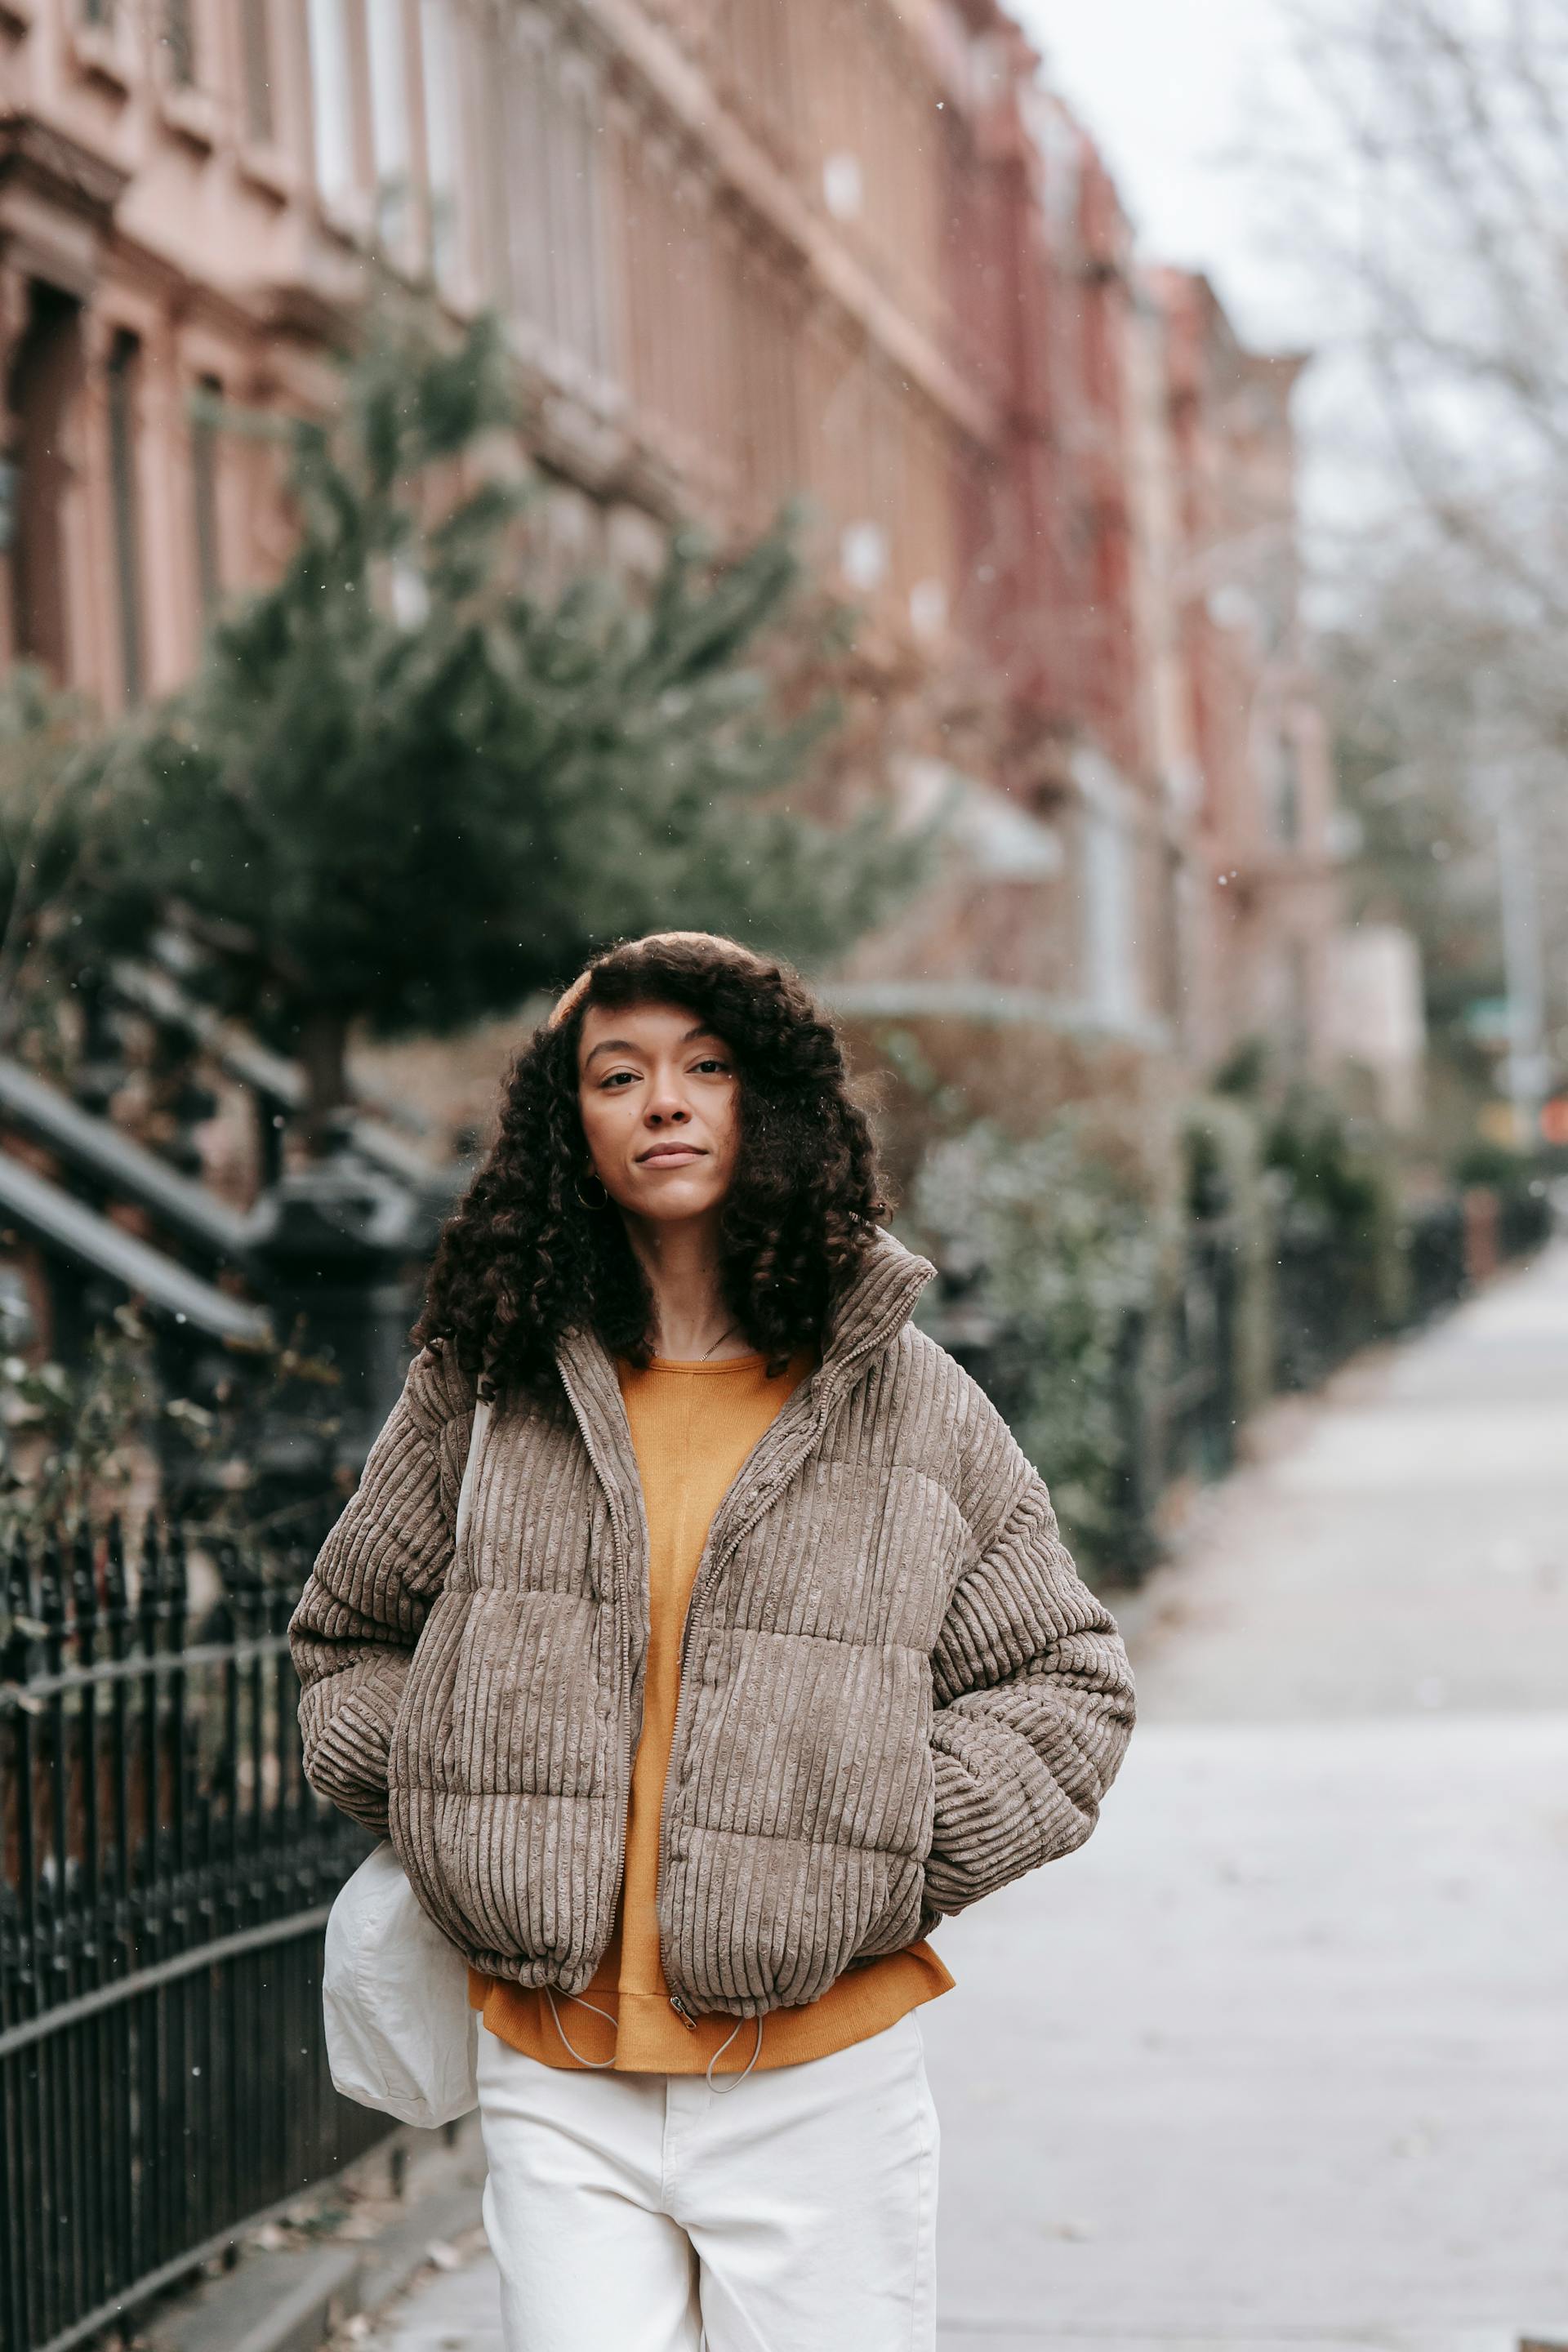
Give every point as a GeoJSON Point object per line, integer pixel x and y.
{"type": "Point", "coordinates": [1165, 85]}
{"type": "Point", "coordinates": [1174, 91]}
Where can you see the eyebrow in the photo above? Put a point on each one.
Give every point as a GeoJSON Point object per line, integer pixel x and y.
{"type": "Point", "coordinates": [624, 1044]}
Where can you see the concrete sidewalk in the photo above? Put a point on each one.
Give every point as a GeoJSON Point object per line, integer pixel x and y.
{"type": "Point", "coordinates": [1280, 2062]}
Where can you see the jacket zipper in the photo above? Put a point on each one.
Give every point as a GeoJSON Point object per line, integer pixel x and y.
{"type": "Point", "coordinates": [706, 1571]}
{"type": "Point", "coordinates": [623, 1672]}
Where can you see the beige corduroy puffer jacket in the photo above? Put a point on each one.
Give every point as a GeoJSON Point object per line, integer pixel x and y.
{"type": "Point", "coordinates": [896, 1693]}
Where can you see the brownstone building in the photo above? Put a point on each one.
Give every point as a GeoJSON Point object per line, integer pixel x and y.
{"type": "Point", "coordinates": [848, 247]}
{"type": "Point", "coordinates": [1262, 912]}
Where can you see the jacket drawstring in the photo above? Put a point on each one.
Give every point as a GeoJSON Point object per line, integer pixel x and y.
{"type": "Point", "coordinates": [598, 2065]}
{"type": "Point", "coordinates": [722, 2090]}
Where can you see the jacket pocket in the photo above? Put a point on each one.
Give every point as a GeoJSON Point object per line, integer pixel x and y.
{"type": "Point", "coordinates": [419, 1751]}
{"type": "Point", "coordinates": [898, 1922]}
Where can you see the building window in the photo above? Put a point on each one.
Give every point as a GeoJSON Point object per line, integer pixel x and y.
{"type": "Point", "coordinates": [596, 344]}
{"type": "Point", "coordinates": [545, 240]}
{"type": "Point", "coordinates": [256, 67]}
{"type": "Point", "coordinates": [863, 555]}
{"type": "Point", "coordinates": [843, 188]}
{"type": "Point", "coordinates": [389, 122]}
{"type": "Point", "coordinates": [204, 493]}
{"type": "Point", "coordinates": [332, 100]}
{"type": "Point", "coordinates": [1110, 973]}
{"type": "Point", "coordinates": [574, 275]}
{"type": "Point", "coordinates": [1286, 791]}
{"type": "Point", "coordinates": [518, 178]}
{"type": "Point", "coordinates": [443, 143]}
{"type": "Point", "coordinates": [123, 360]}
{"type": "Point", "coordinates": [180, 41]}
{"type": "Point", "coordinates": [1297, 1008]}
{"type": "Point", "coordinates": [42, 392]}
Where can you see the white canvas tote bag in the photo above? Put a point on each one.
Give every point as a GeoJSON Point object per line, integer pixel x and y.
{"type": "Point", "coordinates": [395, 1992]}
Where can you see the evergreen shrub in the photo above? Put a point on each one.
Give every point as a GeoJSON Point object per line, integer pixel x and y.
{"type": "Point", "coordinates": [1051, 1259]}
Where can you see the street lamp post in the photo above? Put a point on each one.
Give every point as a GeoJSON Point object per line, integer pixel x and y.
{"type": "Point", "coordinates": [1500, 753]}
{"type": "Point", "coordinates": [1528, 1073]}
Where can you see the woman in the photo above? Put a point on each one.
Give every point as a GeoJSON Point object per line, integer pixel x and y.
{"type": "Point", "coordinates": [761, 1655]}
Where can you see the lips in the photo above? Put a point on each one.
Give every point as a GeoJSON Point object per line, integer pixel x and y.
{"type": "Point", "coordinates": [671, 1155]}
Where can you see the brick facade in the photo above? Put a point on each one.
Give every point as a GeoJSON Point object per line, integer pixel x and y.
{"type": "Point", "coordinates": [850, 248]}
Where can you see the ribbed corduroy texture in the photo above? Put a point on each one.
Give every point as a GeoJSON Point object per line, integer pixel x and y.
{"type": "Point", "coordinates": [898, 1694]}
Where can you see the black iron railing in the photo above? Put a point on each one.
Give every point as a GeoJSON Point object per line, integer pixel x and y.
{"type": "Point", "coordinates": [1330, 1297]}
{"type": "Point", "coordinates": [1177, 1375]}
{"type": "Point", "coordinates": [1326, 1302]}
{"type": "Point", "coordinates": [1173, 1377]}
{"type": "Point", "coordinates": [166, 1876]}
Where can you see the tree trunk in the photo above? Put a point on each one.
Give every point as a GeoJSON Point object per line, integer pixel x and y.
{"type": "Point", "coordinates": [324, 1057]}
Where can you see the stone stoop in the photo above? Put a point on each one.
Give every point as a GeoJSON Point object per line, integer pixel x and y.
{"type": "Point", "coordinates": [337, 2255]}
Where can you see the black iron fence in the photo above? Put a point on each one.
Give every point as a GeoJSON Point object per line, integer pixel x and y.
{"type": "Point", "coordinates": [1335, 1291]}
{"type": "Point", "coordinates": [1174, 1372]}
{"type": "Point", "coordinates": [1177, 1379]}
{"type": "Point", "coordinates": [1437, 1257]}
{"type": "Point", "coordinates": [1327, 1298]}
{"type": "Point", "coordinates": [1524, 1219]}
{"type": "Point", "coordinates": [1170, 1370]}
{"type": "Point", "coordinates": [167, 1877]}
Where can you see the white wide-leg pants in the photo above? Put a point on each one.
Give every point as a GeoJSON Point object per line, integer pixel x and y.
{"type": "Point", "coordinates": [793, 2212]}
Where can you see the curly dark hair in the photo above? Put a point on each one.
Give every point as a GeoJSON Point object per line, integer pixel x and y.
{"type": "Point", "coordinates": [522, 1261]}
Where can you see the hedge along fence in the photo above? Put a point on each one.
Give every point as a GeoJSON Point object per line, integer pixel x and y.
{"type": "Point", "coordinates": [1048, 1263]}
{"type": "Point", "coordinates": [1128, 1346]}
{"type": "Point", "coordinates": [1126, 1343]}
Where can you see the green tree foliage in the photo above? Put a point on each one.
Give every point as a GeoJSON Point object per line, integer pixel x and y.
{"type": "Point", "coordinates": [79, 1441]}
{"type": "Point", "coordinates": [52, 779]}
{"type": "Point", "coordinates": [408, 783]}
{"type": "Point", "coordinates": [70, 1439]}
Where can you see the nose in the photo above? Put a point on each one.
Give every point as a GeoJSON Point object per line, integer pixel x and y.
{"type": "Point", "coordinates": [666, 1105]}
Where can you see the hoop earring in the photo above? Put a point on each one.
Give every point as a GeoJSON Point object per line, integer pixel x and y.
{"type": "Point", "coordinates": [604, 1200]}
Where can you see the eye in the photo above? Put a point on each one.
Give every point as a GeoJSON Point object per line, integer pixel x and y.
{"type": "Point", "coordinates": [712, 1062]}
{"type": "Point", "coordinates": [607, 1083]}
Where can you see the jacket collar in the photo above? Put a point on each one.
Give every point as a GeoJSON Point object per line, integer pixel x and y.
{"type": "Point", "coordinates": [867, 1316]}
{"type": "Point", "coordinates": [873, 1309]}
{"type": "Point", "coordinates": [865, 1320]}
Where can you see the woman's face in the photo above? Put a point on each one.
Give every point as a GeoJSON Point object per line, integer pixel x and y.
{"type": "Point", "coordinates": [660, 1104]}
